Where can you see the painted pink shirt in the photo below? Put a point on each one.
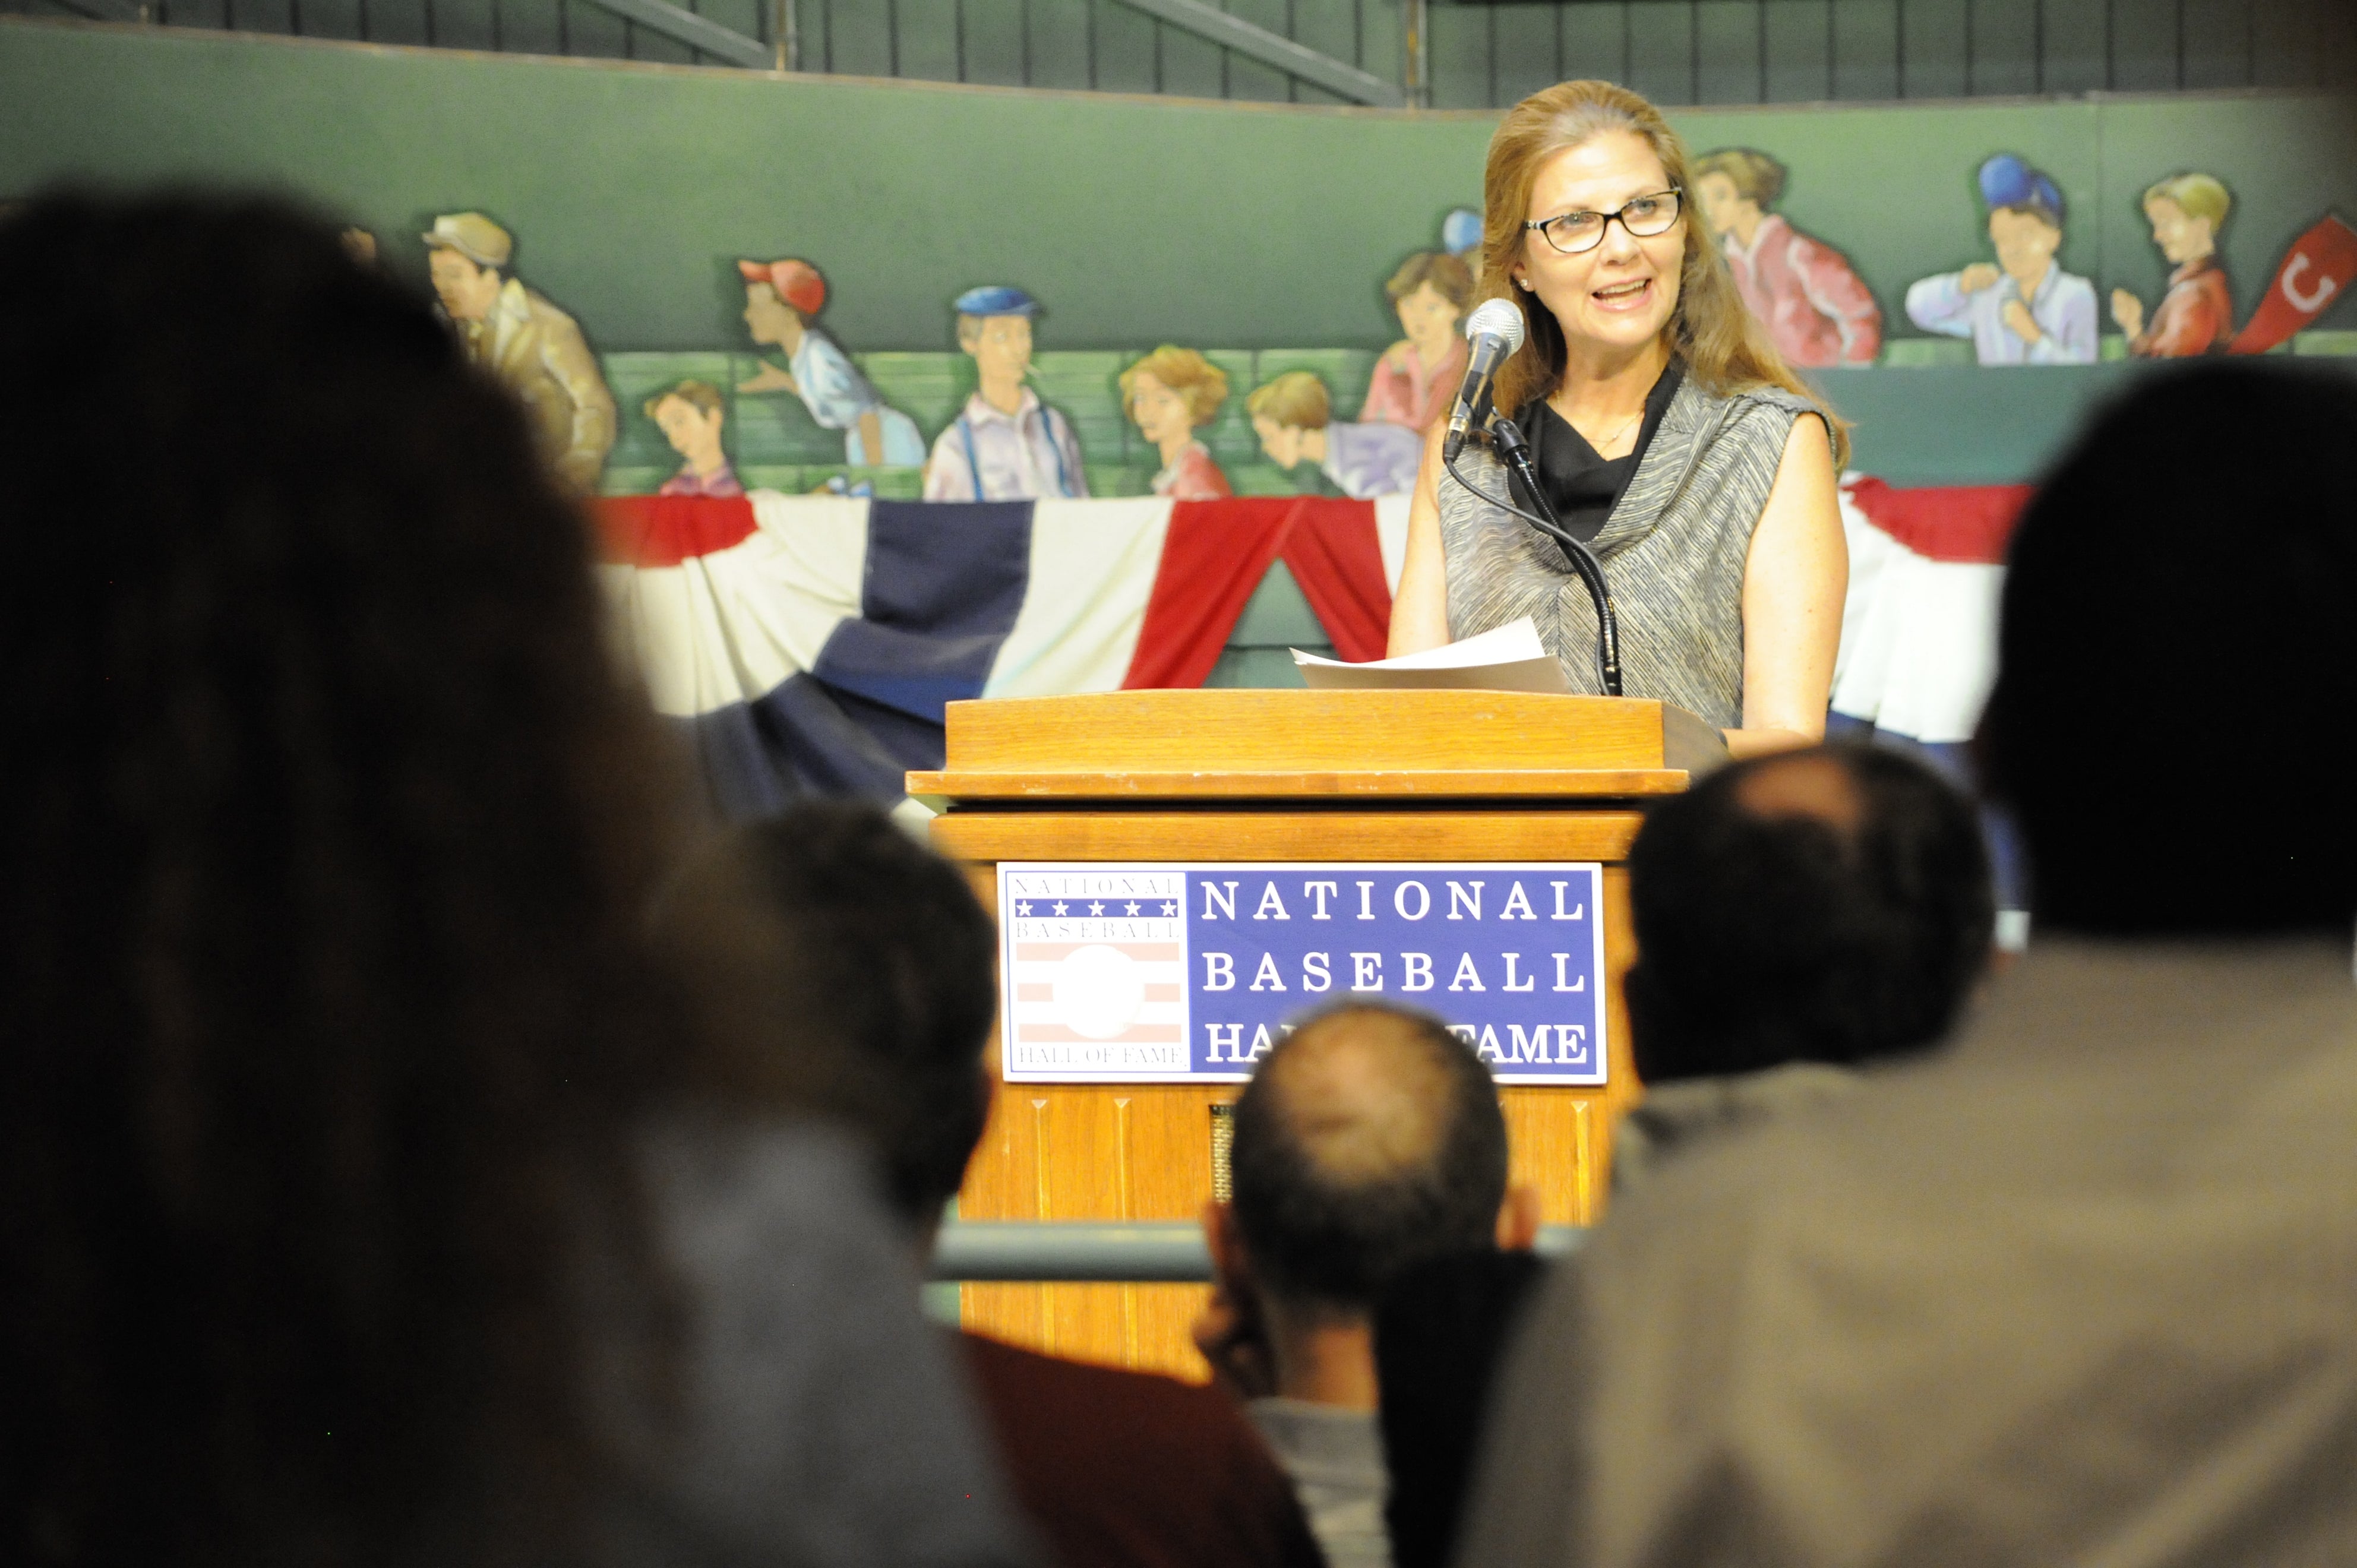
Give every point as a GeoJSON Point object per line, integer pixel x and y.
{"type": "Point", "coordinates": [1405, 392]}
{"type": "Point", "coordinates": [721, 481]}
{"type": "Point", "coordinates": [1804, 290]}
{"type": "Point", "coordinates": [1195, 477]}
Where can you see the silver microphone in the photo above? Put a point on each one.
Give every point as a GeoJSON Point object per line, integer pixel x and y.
{"type": "Point", "coordinates": [1495, 331]}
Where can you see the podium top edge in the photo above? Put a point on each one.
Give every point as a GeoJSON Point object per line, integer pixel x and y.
{"type": "Point", "coordinates": [1293, 732]}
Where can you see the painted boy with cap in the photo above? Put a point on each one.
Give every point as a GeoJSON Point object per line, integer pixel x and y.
{"type": "Point", "coordinates": [532, 347]}
{"type": "Point", "coordinates": [2025, 309]}
{"type": "Point", "coordinates": [781, 298]}
{"type": "Point", "coordinates": [1005, 444]}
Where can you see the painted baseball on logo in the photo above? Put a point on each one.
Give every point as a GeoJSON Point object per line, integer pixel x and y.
{"type": "Point", "coordinates": [1176, 973]}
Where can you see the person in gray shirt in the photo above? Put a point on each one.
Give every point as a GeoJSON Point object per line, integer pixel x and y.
{"type": "Point", "coordinates": [2080, 1285]}
{"type": "Point", "coordinates": [1368, 1141]}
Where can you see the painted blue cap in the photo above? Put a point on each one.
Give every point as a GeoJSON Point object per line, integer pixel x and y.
{"type": "Point", "coordinates": [997, 299]}
{"type": "Point", "coordinates": [1460, 231]}
{"type": "Point", "coordinates": [2006, 181]}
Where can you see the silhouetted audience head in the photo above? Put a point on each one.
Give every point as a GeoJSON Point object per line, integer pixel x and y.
{"type": "Point", "coordinates": [1368, 1139]}
{"type": "Point", "coordinates": [2178, 660]}
{"type": "Point", "coordinates": [883, 987]}
{"type": "Point", "coordinates": [1831, 905]}
{"type": "Point", "coordinates": [324, 832]}
{"type": "Point", "coordinates": [1440, 1333]}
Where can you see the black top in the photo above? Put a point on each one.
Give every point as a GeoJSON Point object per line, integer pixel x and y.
{"type": "Point", "coordinates": [1582, 487]}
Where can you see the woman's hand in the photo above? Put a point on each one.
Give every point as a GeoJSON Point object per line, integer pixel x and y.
{"type": "Point", "coordinates": [1420, 607]}
{"type": "Point", "coordinates": [1794, 584]}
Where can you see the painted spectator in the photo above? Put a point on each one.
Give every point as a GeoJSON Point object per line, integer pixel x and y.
{"type": "Point", "coordinates": [1417, 376]}
{"type": "Point", "coordinates": [1293, 416]}
{"type": "Point", "coordinates": [882, 998]}
{"type": "Point", "coordinates": [377, 1190]}
{"type": "Point", "coordinates": [1367, 1143]}
{"type": "Point", "coordinates": [2078, 1284]}
{"type": "Point", "coordinates": [2023, 309]}
{"type": "Point", "coordinates": [528, 344]}
{"type": "Point", "coordinates": [1168, 395]}
{"type": "Point", "coordinates": [1797, 917]}
{"type": "Point", "coordinates": [1005, 444]}
{"type": "Point", "coordinates": [1814, 304]}
{"type": "Point", "coordinates": [782, 300]}
{"type": "Point", "coordinates": [690, 417]}
{"type": "Point", "coordinates": [2196, 314]}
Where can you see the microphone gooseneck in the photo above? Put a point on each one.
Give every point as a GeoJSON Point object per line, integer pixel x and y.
{"type": "Point", "coordinates": [1495, 330]}
{"type": "Point", "coordinates": [1507, 437]}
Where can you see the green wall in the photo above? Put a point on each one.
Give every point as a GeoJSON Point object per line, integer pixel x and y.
{"type": "Point", "coordinates": [1138, 220]}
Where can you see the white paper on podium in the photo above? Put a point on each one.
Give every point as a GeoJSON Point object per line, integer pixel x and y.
{"type": "Point", "coordinates": [1510, 658]}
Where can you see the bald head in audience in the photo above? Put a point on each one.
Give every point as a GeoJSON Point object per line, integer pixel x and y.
{"type": "Point", "coordinates": [1369, 1141]}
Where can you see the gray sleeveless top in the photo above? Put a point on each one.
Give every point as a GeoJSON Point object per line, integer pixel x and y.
{"type": "Point", "coordinates": [1673, 551]}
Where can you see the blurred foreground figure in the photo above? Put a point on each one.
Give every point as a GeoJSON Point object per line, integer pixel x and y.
{"type": "Point", "coordinates": [2082, 1286]}
{"type": "Point", "coordinates": [1798, 915]}
{"type": "Point", "coordinates": [370, 1192]}
{"type": "Point", "coordinates": [881, 1001]}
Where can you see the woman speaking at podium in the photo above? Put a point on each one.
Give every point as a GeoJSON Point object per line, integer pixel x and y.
{"type": "Point", "coordinates": [1665, 430]}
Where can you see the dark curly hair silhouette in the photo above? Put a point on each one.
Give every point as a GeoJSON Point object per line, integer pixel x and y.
{"type": "Point", "coordinates": [325, 828]}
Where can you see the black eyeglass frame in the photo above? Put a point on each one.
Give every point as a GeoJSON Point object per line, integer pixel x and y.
{"type": "Point", "coordinates": [1620, 213]}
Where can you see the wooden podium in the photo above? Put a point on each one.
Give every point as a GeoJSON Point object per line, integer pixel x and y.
{"type": "Point", "coordinates": [1282, 775]}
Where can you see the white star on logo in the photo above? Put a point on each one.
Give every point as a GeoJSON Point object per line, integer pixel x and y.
{"type": "Point", "coordinates": [1022, 909]}
{"type": "Point", "coordinates": [1096, 909]}
{"type": "Point", "coordinates": [1169, 909]}
{"type": "Point", "coordinates": [1059, 909]}
{"type": "Point", "coordinates": [1133, 905]}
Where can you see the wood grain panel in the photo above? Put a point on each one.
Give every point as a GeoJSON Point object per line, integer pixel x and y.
{"type": "Point", "coordinates": [1246, 730]}
{"type": "Point", "coordinates": [1502, 782]}
{"type": "Point", "coordinates": [983, 837]}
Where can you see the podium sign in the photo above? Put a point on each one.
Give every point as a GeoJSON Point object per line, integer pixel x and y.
{"type": "Point", "coordinates": [1177, 973]}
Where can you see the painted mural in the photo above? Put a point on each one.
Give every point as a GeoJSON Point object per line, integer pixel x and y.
{"type": "Point", "coordinates": [1194, 424]}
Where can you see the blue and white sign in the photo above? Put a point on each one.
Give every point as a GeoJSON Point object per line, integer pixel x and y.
{"type": "Point", "coordinates": [1163, 974]}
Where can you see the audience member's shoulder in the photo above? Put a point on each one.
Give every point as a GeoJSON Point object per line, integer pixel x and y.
{"type": "Point", "coordinates": [1087, 1406]}
{"type": "Point", "coordinates": [1122, 1467]}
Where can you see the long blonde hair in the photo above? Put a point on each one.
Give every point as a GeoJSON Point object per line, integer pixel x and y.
{"type": "Point", "coordinates": [1724, 347]}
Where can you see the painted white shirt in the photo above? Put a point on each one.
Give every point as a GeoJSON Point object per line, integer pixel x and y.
{"type": "Point", "coordinates": [1024, 456]}
{"type": "Point", "coordinates": [2063, 306]}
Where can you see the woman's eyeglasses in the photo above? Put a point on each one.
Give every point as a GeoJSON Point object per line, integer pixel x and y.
{"type": "Point", "coordinates": [1643, 217]}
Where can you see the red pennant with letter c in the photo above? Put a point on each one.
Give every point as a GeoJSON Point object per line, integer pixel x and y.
{"type": "Point", "coordinates": [2316, 272]}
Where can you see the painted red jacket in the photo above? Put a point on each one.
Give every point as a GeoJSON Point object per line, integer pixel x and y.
{"type": "Point", "coordinates": [1804, 290]}
{"type": "Point", "coordinates": [2194, 316]}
